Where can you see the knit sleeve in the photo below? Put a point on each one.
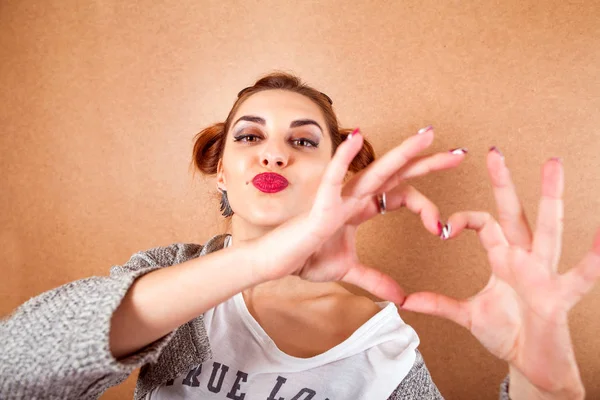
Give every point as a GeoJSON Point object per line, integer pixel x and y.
{"type": "Point", "coordinates": [504, 389]}
{"type": "Point", "coordinates": [417, 384]}
{"type": "Point", "coordinates": [56, 345]}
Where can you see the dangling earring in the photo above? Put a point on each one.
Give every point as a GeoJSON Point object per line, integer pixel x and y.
{"type": "Point", "coordinates": [225, 207]}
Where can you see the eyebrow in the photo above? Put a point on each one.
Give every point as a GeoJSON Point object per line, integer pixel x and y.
{"type": "Point", "coordinates": [294, 124]}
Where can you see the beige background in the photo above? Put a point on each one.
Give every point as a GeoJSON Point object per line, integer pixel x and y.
{"type": "Point", "coordinates": [100, 101]}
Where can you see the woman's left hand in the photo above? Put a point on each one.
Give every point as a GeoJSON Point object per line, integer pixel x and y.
{"type": "Point", "coordinates": [521, 314]}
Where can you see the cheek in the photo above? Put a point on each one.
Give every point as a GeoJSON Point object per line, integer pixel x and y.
{"type": "Point", "coordinates": [236, 167]}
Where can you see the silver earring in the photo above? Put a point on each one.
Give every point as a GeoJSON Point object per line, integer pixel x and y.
{"type": "Point", "coordinates": [225, 207]}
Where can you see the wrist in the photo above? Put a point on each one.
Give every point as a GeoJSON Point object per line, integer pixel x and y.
{"type": "Point", "coordinates": [282, 251]}
{"type": "Point", "coordinates": [568, 387]}
{"type": "Point", "coordinates": [246, 254]}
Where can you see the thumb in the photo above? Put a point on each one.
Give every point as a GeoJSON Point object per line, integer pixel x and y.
{"type": "Point", "coordinates": [375, 282]}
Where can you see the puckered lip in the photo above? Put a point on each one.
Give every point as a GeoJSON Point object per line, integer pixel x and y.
{"type": "Point", "coordinates": [270, 182]}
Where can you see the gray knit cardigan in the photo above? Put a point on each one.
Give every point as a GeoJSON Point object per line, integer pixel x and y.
{"type": "Point", "coordinates": [56, 345]}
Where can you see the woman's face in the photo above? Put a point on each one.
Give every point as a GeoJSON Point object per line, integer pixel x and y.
{"type": "Point", "coordinates": [281, 132]}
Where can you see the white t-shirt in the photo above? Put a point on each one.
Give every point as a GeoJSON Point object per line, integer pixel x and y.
{"type": "Point", "coordinates": [247, 365]}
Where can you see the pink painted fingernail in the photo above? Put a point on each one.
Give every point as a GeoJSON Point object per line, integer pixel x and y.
{"type": "Point", "coordinates": [446, 231]}
{"type": "Point", "coordinates": [354, 132]}
{"type": "Point", "coordinates": [460, 150]}
{"type": "Point", "coordinates": [494, 148]}
{"type": "Point", "coordinates": [557, 159]}
{"type": "Point", "coordinates": [440, 228]}
{"type": "Point", "coordinates": [426, 129]}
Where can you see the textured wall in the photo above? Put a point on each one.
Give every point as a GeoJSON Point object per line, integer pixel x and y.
{"type": "Point", "coordinates": [100, 101]}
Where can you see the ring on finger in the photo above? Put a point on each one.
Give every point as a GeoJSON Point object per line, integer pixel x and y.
{"type": "Point", "coordinates": [381, 201]}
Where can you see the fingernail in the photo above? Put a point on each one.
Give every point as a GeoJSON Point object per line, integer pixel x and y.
{"type": "Point", "coordinates": [354, 132]}
{"type": "Point", "coordinates": [460, 150]}
{"type": "Point", "coordinates": [399, 305]}
{"type": "Point", "coordinates": [426, 129]}
{"type": "Point", "coordinates": [446, 231]}
{"type": "Point", "coordinates": [557, 159]}
{"type": "Point", "coordinates": [494, 148]}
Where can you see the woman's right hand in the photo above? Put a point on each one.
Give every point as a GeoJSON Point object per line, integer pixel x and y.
{"type": "Point", "coordinates": [319, 245]}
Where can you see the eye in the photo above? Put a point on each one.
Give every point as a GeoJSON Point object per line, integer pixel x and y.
{"type": "Point", "coordinates": [305, 143]}
{"type": "Point", "coordinates": [246, 138]}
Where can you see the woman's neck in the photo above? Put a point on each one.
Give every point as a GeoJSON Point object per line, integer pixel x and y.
{"type": "Point", "coordinates": [245, 232]}
{"type": "Point", "coordinates": [289, 287]}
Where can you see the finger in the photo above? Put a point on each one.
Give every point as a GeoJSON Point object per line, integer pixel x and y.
{"type": "Point", "coordinates": [511, 215]}
{"type": "Point", "coordinates": [369, 180]}
{"type": "Point", "coordinates": [488, 230]}
{"type": "Point", "coordinates": [375, 282]}
{"type": "Point", "coordinates": [336, 170]}
{"type": "Point", "coordinates": [440, 306]}
{"type": "Point", "coordinates": [549, 225]}
{"type": "Point", "coordinates": [424, 165]}
{"type": "Point", "coordinates": [581, 279]}
{"type": "Point", "coordinates": [402, 196]}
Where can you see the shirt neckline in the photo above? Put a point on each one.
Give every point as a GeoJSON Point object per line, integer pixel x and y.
{"type": "Point", "coordinates": [357, 338]}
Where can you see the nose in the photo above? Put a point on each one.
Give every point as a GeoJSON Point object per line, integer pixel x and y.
{"type": "Point", "coordinates": [273, 156]}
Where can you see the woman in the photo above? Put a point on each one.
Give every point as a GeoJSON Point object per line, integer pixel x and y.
{"type": "Point", "coordinates": [264, 317]}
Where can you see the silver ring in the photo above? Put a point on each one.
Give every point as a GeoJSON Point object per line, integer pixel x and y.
{"type": "Point", "coordinates": [382, 203]}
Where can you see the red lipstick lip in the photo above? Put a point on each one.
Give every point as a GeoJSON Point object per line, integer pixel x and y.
{"type": "Point", "coordinates": [270, 182]}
